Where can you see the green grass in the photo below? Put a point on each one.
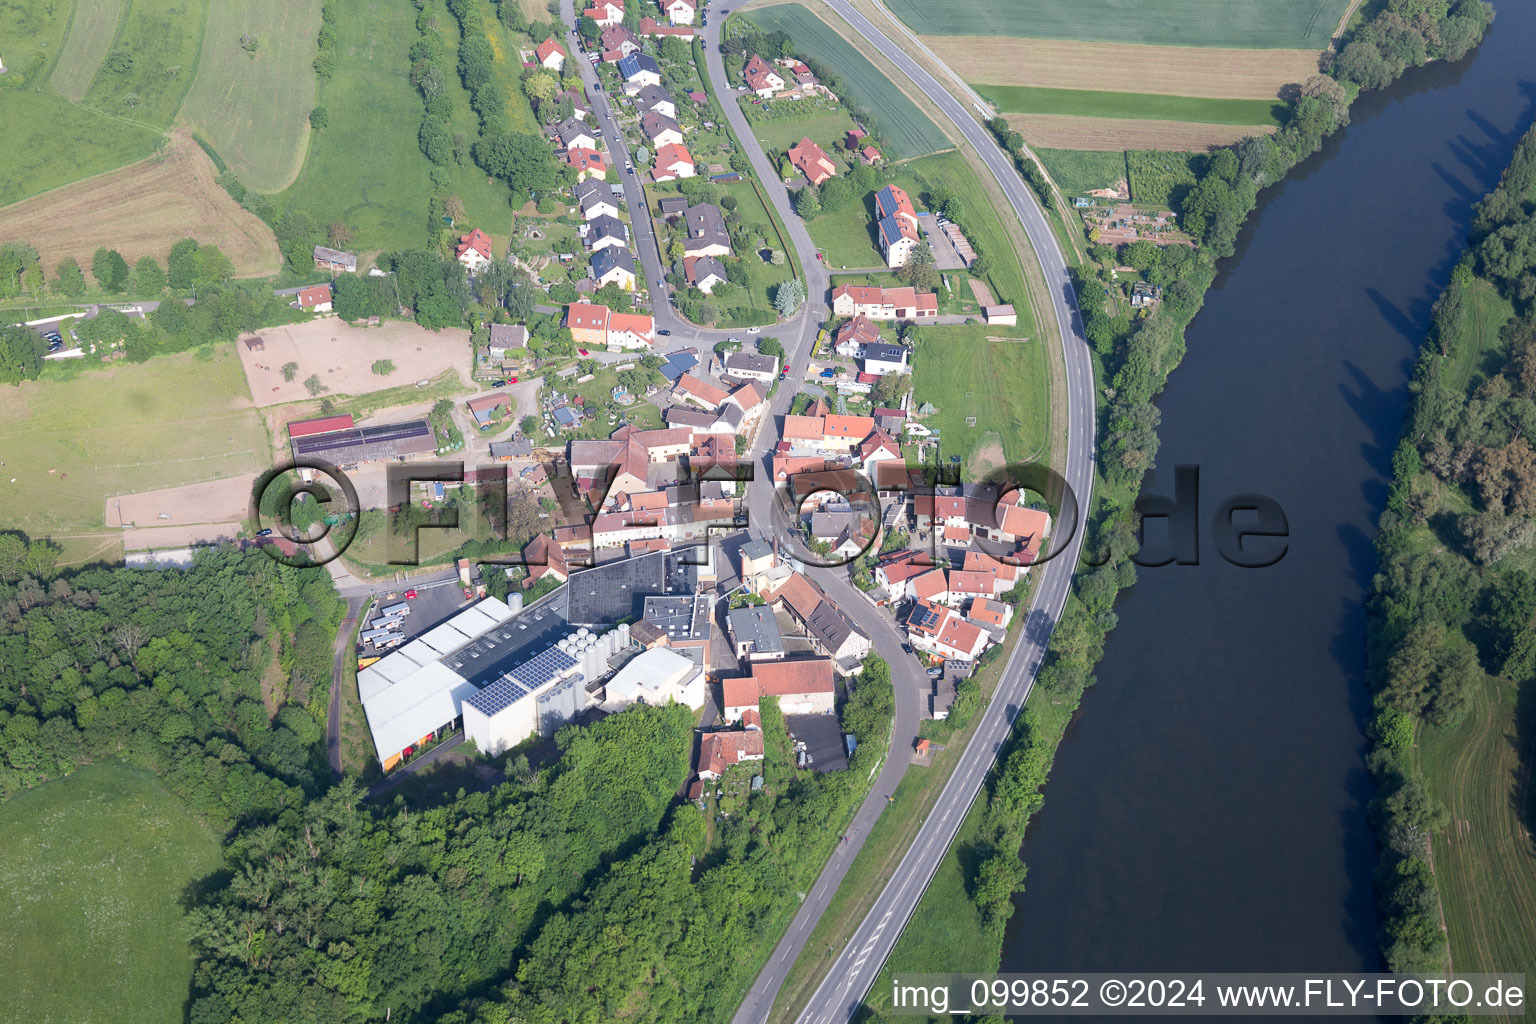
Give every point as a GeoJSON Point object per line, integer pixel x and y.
{"type": "Point", "coordinates": [826, 129]}
{"type": "Point", "coordinates": [1004, 386]}
{"type": "Point", "coordinates": [1159, 178]}
{"type": "Point", "coordinates": [163, 37]}
{"type": "Point", "coordinates": [1258, 24]}
{"type": "Point", "coordinates": [33, 31]}
{"type": "Point", "coordinates": [93, 869]}
{"type": "Point", "coordinates": [253, 108]}
{"type": "Point", "coordinates": [91, 31]}
{"type": "Point", "coordinates": [910, 131]}
{"type": "Point", "coordinates": [1078, 171]}
{"type": "Point", "coordinates": [1019, 99]}
{"type": "Point", "coordinates": [51, 142]}
{"type": "Point", "coordinates": [1479, 349]}
{"type": "Point", "coordinates": [72, 443]}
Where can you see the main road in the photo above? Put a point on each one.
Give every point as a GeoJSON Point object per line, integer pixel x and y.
{"type": "Point", "coordinates": [838, 997]}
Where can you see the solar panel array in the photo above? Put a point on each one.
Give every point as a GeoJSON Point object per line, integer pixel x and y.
{"type": "Point", "coordinates": [521, 681]}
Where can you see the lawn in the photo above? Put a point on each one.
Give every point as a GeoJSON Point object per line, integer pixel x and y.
{"type": "Point", "coordinates": [161, 39]}
{"type": "Point", "coordinates": [827, 129]}
{"type": "Point", "coordinates": [910, 131]}
{"type": "Point", "coordinates": [91, 31]}
{"type": "Point", "coordinates": [34, 32]}
{"type": "Point", "coordinates": [50, 142]}
{"type": "Point", "coordinates": [1003, 387]}
{"type": "Point", "coordinates": [957, 298]}
{"type": "Point", "coordinates": [1259, 24]}
{"type": "Point", "coordinates": [93, 871]}
{"type": "Point", "coordinates": [253, 107]}
{"type": "Point", "coordinates": [1076, 171]}
{"type": "Point", "coordinates": [72, 443]}
{"type": "Point", "coordinates": [1018, 99]}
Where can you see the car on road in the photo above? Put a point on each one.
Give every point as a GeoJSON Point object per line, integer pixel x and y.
{"type": "Point", "coordinates": [784, 373]}
{"type": "Point", "coordinates": [820, 257]}
{"type": "Point", "coordinates": [582, 352]}
{"type": "Point", "coordinates": [734, 341]}
{"type": "Point", "coordinates": [907, 648]}
{"type": "Point", "coordinates": [754, 330]}
{"type": "Point", "coordinates": [511, 380]}
{"type": "Point", "coordinates": [469, 595]}
{"type": "Point", "coordinates": [935, 673]}
{"type": "Point", "coordinates": [664, 333]}
{"type": "Point", "coordinates": [498, 383]}
{"type": "Point", "coordinates": [264, 533]}
{"type": "Point", "coordinates": [410, 594]}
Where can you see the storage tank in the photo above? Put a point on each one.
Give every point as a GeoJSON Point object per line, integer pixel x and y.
{"type": "Point", "coordinates": [612, 636]}
{"type": "Point", "coordinates": [623, 635]}
{"type": "Point", "coordinates": [593, 663]}
{"type": "Point", "coordinates": [515, 602]}
{"type": "Point", "coordinates": [583, 633]}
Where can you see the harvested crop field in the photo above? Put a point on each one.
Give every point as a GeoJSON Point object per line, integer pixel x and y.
{"type": "Point", "coordinates": [1057, 131]}
{"type": "Point", "coordinates": [1120, 67]}
{"type": "Point", "coordinates": [140, 210]}
{"type": "Point", "coordinates": [342, 356]}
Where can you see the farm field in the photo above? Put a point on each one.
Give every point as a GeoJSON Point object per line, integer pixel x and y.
{"type": "Point", "coordinates": [50, 142]}
{"type": "Point", "coordinates": [1079, 171]}
{"type": "Point", "coordinates": [1018, 99]}
{"type": "Point", "coordinates": [71, 443]}
{"type": "Point", "coordinates": [162, 39]}
{"type": "Point", "coordinates": [1258, 24]}
{"type": "Point", "coordinates": [142, 209]}
{"type": "Point", "coordinates": [1065, 131]}
{"type": "Point", "coordinates": [1119, 67]}
{"type": "Point", "coordinates": [33, 31]}
{"type": "Point", "coordinates": [253, 108]}
{"type": "Point", "coordinates": [911, 132]}
{"type": "Point", "coordinates": [90, 35]}
{"type": "Point", "coordinates": [1480, 772]}
{"type": "Point", "coordinates": [960, 371]}
{"type": "Point", "coordinates": [93, 869]}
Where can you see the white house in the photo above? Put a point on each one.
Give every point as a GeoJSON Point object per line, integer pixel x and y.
{"type": "Point", "coordinates": [679, 12]}
{"type": "Point", "coordinates": [551, 55]}
{"type": "Point", "coordinates": [614, 265]}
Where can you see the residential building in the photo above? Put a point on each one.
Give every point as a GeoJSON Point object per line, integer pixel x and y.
{"type": "Point", "coordinates": [505, 338]}
{"type": "Point", "coordinates": [755, 633]}
{"type": "Point", "coordinates": [803, 686]}
{"type": "Point", "coordinates": [573, 133]}
{"type": "Point", "coordinates": [633, 331]}
{"type": "Point", "coordinates": [605, 12]}
{"type": "Point", "coordinates": [588, 324]}
{"type": "Point", "coordinates": [620, 39]}
{"type": "Point", "coordinates": [595, 199]}
{"type": "Point", "coordinates": [762, 78]}
{"type": "Point", "coordinates": [706, 232]}
{"type": "Point", "coordinates": [335, 260]}
{"type": "Point", "coordinates": [315, 299]}
{"type": "Point", "coordinates": [614, 264]}
{"type": "Point", "coordinates": [719, 751]}
{"type": "Point", "coordinates": [703, 272]}
{"type": "Point", "coordinates": [679, 12]}
{"type": "Point", "coordinates": [812, 161]}
{"type": "Point", "coordinates": [851, 337]}
{"type": "Point", "coordinates": [673, 161]}
{"type": "Point", "coordinates": [825, 625]}
{"type": "Point", "coordinates": [550, 54]}
{"type": "Point", "coordinates": [650, 27]}
{"type": "Point", "coordinates": [603, 231]}
{"type": "Point", "coordinates": [588, 163]}
{"type": "Point", "coordinates": [944, 632]}
{"type": "Point", "coordinates": [699, 392]}
{"type": "Point", "coordinates": [884, 303]}
{"type": "Point", "coordinates": [897, 225]}
{"type": "Point", "coordinates": [869, 156]}
{"type": "Point", "coordinates": [639, 70]}
{"type": "Point", "coordinates": [881, 359]}
{"type": "Point", "coordinates": [751, 366]}
{"type": "Point", "coordinates": [474, 250]}
{"type": "Point", "coordinates": [655, 98]}
{"type": "Point", "coordinates": [661, 129]}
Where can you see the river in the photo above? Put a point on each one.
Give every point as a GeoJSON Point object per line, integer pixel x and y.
{"type": "Point", "coordinates": [1207, 810]}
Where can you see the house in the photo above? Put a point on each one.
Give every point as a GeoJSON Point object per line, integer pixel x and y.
{"type": "Point", "coordinates": [671, 206]}
{"type": "Point", "coordinates": [474, 250]}
{"type": "Point", "coordinates": [505, 338]}
{"type": "Point", "coordinates": [812, 161]}
{"type": "Point", "coordinates": [661, 129]}
{"type": "Point", "coordinates": [878, 447]}
{"type": "Point", "coordinates": [335, 260]}
{"type": "Point", "coordinates": [904, 303]}
{"type": "Point", "coordinates": [631, 330]}
{"type": "Point", "coordinates": [706, 233]}
{"type": "Point", "coordinates": [699, 392]}
{"type": "Point", "coordinates": [588, 324]}
{"type": "Point", "coordinates": [703, 272]}
{"type": "Point", "coordinates": [719, 751]}
{"type": "Point", "coordinates": [869, 156]}
{"type": "Point", "coordinates": [824, 623]}
{"type": "Point", "coordinates": [587, 163]}
{"type": "Point", "coordinates": [617, 38]}
{"type": "Point", "coordinates": [550, 54]}
{"type": "Point", "coordinates": [942, 631]}
{"type": "Point", "coordinates": [654, 97]}
{"type": "Point", "coordinates": [484, 408]}
{"type": "Point", "coordinates": [650, 27]}
{"type": "Point", "coordinates": [639, 70]}
{"type": "Point", "coordinates": [679, 12]}
{"type": "Point", "coordinates": [755, 634]}
{"type": "Point", "coordinates": [595, 200]}
{"type": "Point", "coordinates": [672, 161]}
{"type": "Point", "coordinates": [603, 231]}
{"type": "Point", "coordinates": [614, 264]}
{"type": "Point", "coordinates": [850, 339]}
{"type": "Point", "coordinates": [751, 366]}
{"type": "Point", "coordinates": [897, 225]}
{"type": "Point", "coordinates": [605, 12]}
{"type": "Point", "coordinates": [992, 614]}
{"type": "Point", "coordinates": [1145, 295]}
{"type": "Point", "coordinates": [881, 359]}
{"type": "Point", "coordinates": [573, 133]}
{"type": "Point", "coordinates": [803, 686]}
{"type": "Point", "coordinates": [315, 299]}
{"type": "Point", "coordinates": [1000, 315]}
{"type": "Point", "coordinates": [761, 77]}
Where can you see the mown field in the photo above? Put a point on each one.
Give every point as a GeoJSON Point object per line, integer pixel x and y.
{"type": "Point", "coordinates": [1260, 24]}
{"type": "Point", "coordinates": [50, 142]}
{"type": "Point", "coordinates": [911, 132]}
{"type": "Point", "coordinates": [72, 443]}
{"type": "Point", "coordinates": [140, 210]}
{"type": "Point", "coordinates": [1072, 131]}
{"type": "Point", "coordinates": [1018, 99]}
{"type": "Point", "coordinates": [93, 870]}
{"type": "Point", "coordinates": [90, 36]}
{"type": "Point", "coordinates": [161, 40]}
{"type": "Point", "coordinates": [253, 107]}
{"type": "Point", "coordinates": [1079, 171]}
{"type": "Point", "coordinates": [1121, 67]}
{"type": "Point", "coordinates": [1003, 385]}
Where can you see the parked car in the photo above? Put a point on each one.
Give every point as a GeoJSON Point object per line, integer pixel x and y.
{"type": "Point", "coordinates": [264, 533]}
{"type": "Point", "coordinates": [582, 352]}
{"type": "Point", "coordinates": [754, 330]}
{"type": "Point", "coordinates": [664, 333]}
{"type": "Point", "coordinates": [469, 595]}
{"type": "Point", "coordinates": [935, 673]}
{"type": "Point", "coordinates": [498, 383]}
{"type": "Point", "coordinates": [784, 373]}
{"type": "Point", "coordinates": [829, 373]}
{"type": "Point", "coordinates": [907, 648]}
{"type": "Point", "coordinates": [511, 380]}
{"type": "Point", "coordinates": [410, 594]}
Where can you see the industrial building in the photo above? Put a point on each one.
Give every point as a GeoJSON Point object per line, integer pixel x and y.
{"type": "Point", "coordinates": [656, 677]}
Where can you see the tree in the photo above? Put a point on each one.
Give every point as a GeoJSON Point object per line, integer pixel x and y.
{"type": "Point", "coordinates": [383, 367]}
{"type": "Point", "coordinates": [919, 271]}
{"type": "Point", "coordinates": [338, 235]}
{"type": "Point", "coordinates": [529, 425]}
{"type": "Point", "coordinates": [777, 257]}
{"type": "Point", "coordinates": [314, 386]}
{"type": "Point", "coordinates": [213, 266]}
{"type": "Point", "coordinates": [319, 119]}
{"type": "Point", "coordinates": [68, 279]}
{"type": "Point", "coordinates": [21, 354]}
{"type": "Point", "coordinates": [290, 370]}
{"type": "Point", "coordinates": [807, 203]}
{"type": "Point", "coordinates": [770, 347]}
{"type": "Point", "coordinates": [788, 297]}
{"type": "Point", "coordinates": [110, 269]}
{"type": "Point", "coordinates": [181, 267]}
{"type": "Point", "coordinates": [540, 86]}
{"type": "Point", "coordinates": [524, 161]}
{"type": "Point", "coordinates": [148, 276]}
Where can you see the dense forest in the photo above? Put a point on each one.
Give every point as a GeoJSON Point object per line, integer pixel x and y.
{"type": "Point", "coordinates": [1454, 599]}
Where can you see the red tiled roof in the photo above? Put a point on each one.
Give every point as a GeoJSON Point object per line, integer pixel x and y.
{"type": "Point", "coordinates": [319, 425]}
{"type": "Point", "coordinates": [793, 678]}
{"type": "Point", "coordinates": [477, 240]}
{"type": "Point", "coordinates": [311, 297]}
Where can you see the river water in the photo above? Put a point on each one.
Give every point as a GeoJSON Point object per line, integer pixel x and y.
{"type": "Point", "coordinates": [1207, 809]}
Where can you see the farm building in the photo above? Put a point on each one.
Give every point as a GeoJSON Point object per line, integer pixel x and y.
{"type": "Point", "coordinates": [356, 445]}
{"type": "Point", "coordinates": [484, 408]}
{"type": "Point", "coordinates": [335, 260]}
{"type": "Point", "coordinates": [321, 425]}
{"type": "Point", "coordinates": [1004, 314]}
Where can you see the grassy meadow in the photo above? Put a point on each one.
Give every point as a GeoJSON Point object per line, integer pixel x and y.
{"type": "Point", "coordinates": [1017, 99]}
{"type": "Point", "coordinates": [1077, 171]}
{"type": "Point", "coordinates": [162, 39]}
{"type": "Point", "coordinates": [33, 31]}
{"type": "Point", "coordinates": [71, 443]}
{"type": "Point", "coordinates": [50, 141]}
{"type": "Point", "coordinates": [91, 31]}
{"type": "Point", "coordinates": [910, 131]}
{"type": "Point", "coordinates": [93, 869]}
{"type": "Point", "coordinates": [1003, 386]}
{"type": "Point", "coordinates": [1256, 24]}
{"type": "Point", "coordinates": [253, 107]}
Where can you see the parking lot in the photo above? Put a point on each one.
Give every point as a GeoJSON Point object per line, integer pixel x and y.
{"type": "Point", "coordinates": [432, 605]}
